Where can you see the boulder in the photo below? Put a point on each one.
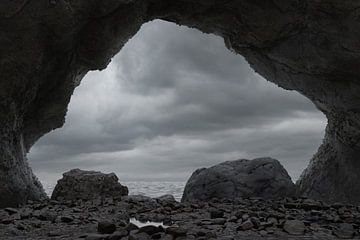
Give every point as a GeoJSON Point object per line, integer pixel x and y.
{"type": "Point", "coordinates": [261, 177]}
{"type": "Point", "coordinates": [88, 185]}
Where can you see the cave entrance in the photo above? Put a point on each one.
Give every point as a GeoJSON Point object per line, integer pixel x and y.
{"type": "Point", "coordinates": [173, 100]}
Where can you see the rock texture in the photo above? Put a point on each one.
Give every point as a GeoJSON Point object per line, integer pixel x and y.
{"type": "Point", "coordinates": [310, 46]}
{"type": "Point", "coordinates": [261, 177]}
{"type": "Point", "coordinates": [245, 219]}
{"type": "Point", "coordinates": [88, 185]}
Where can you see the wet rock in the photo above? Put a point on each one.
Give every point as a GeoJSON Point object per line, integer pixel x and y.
{"type": "Point", "coordinates": [294, 227]}
{"type": "Point", "coordinates": [130, 227]}
{"type": "Point", "coordinates": [262, 177]}
{"type": "Point", "coordinates": [106, 227]}
{"type": "Point", "coordinates": [150, 229]}
{"type": "Point", "coordinates": [88, 185]}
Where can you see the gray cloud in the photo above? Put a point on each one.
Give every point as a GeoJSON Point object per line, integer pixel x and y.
{"type": "Point", "coordinates": [173, 100]}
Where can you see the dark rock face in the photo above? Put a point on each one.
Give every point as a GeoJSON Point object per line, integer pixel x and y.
{"type": "Point", "coordinates": [310, 46]}
{"type": "Point", "coordinates": [261, 177]}
{"type": "Point", "coordinates": [88, 185]}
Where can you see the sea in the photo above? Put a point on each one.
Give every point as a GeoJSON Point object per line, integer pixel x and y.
{"type": "Point", "coordinates": [146, 188]}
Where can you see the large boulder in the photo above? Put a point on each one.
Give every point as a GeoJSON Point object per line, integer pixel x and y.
{"type": "Point", "coordinates": [88, 185]}
{"type": "Point", "coordinates": [261, 177]}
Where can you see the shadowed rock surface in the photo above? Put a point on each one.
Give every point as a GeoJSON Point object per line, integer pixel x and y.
{"type": "Point", "coordinates": [310, 46]}
{"type": "Point", "coordinates": [261, 177]}
{"type": "Point", "coordinates": [88, 185]}
{"type": "Point", "coordinates": [245, 219]}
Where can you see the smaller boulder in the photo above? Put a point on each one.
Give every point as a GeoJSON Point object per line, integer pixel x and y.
{"type": "Point", "coordinates": [88, 185]}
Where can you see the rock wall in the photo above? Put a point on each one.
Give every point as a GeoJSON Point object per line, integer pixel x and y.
{"type": "Point", "coordinates": [311, 46]}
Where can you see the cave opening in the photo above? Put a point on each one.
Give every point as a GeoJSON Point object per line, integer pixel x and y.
{"type": "Point", "coordinates": [174, 100]}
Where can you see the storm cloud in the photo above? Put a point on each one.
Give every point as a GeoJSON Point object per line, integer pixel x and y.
{"type": "Point", "coordinates": [173, 100]}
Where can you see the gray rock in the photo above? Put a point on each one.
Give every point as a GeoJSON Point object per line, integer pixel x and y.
{"type": "Point", "coordinates": [118, 235]}
{"type": "Point", "coordinates": [344, 231]}
{"type": "Point", "coordinates": [11, 210]}
{"type": "Point", "coordinates": [106, 227]}
{"type": "Point", "coordinates": [294, 227]}
{"type": "Point", "coordinates": [88, 185]}
{"type": "Point", "coordinates": [150, 229]}
{"type": "Point", "coordinates": [262, 177]}
{"type": "Point", "coordinates": [215, 213]}
{"type": "Point", "coordinates": [94, 236]}
{"type": "Point", "coordinates": [166, 199]}
{"type": "Point", "coordinates": [139, 236]}
{"type": "Point", "coordinates": [176, 231]}
{"type": "Point", "coordinates": [66, 219]}
{"type": "Point", "coordinates": [247, 225]}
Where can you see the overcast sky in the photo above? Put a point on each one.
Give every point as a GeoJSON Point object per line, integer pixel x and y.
{"type": "Point", "coordinates": [174, 100]}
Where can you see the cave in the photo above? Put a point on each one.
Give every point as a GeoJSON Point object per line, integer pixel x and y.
{"type": "Point", "coordinates": [311, 47]}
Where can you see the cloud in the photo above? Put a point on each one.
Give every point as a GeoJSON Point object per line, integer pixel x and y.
{"type": "Point", "coordinates": [173, 100]}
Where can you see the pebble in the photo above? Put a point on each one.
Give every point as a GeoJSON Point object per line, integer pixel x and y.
{"type": "Point", "coordinates": [106, 227]}
{"type": "Point", "coordinates": [66, 219]}
{"type": "Point", "coordinates": [216, 214]}
{"type": "Point", "coordinates": [294, 227]}
{"type": "Point", "coordinates": [176, 231]}
{"type": "Point", "coordinates": [247, 225]}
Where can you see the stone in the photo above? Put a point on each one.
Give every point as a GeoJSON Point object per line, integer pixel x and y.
{"type": "Point", "coordinates": [150, 229]}
{"type": "Point", "coordinates": [216, 213]}
{"type": "Point", "coordinates": [218, 221]}
{"type": "Point", "coordinates": [294, 227]}
{"type": "Point", "coordinates": [166, 200]}
{"type": "Point", "coordinates": [88, 185]}
{"type": "Point", "coordinates": [247, 225]}
{"type": "Point", "coordinates": [106, 227]}
{"type": "Point", "coordinates": [130, 227]}
{"type": "Point", "coordinates": [47, 47]}
{"type": "Point", "coordinates": [176, 231]}
{"type": "Point", "coordinates": [118, 235]}
{"type": "Point", "coordinates": [66, 219]}
{"type": "Point", "coordinates": [139, 236]}
{"type": "Point", "coordinates": [344, 231]}
{"type": "Point", "coordinates": [94, 236]}
{"type": "Point", "coordinates": [11, 210]}
{"type": "Point", "coordinates": [262, 177]}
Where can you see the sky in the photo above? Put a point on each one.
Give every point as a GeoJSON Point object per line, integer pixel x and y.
{"type": "Point", "coordinates": [174, 100]}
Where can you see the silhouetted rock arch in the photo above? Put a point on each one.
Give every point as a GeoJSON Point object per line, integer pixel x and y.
{"type": "Point", "coordinates": [309, 46]}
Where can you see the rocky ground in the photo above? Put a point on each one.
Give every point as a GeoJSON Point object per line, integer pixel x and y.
{"type": "Point", "coordinates": [239, 219]}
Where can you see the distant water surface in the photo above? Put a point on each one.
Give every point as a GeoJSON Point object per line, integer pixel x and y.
{"type": "Point", "coordinates": [146, 188]}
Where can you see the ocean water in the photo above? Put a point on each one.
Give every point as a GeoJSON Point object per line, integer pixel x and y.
{"type": "Point", "coordinates": [146, 188]}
